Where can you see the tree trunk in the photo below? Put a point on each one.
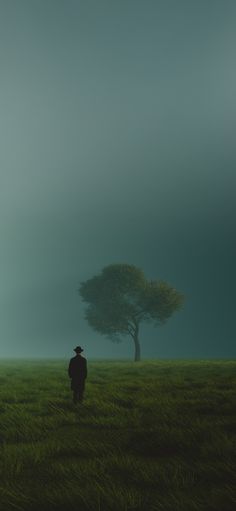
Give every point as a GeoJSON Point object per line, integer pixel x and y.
{"type": "Point", "coordinates": [137, 346]}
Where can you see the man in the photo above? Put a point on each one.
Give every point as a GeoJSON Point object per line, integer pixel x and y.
{"type": "Point", "coordinates": [77, 371]}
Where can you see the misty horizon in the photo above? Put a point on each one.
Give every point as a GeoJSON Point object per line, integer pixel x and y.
{"type": "Point", "coordinates": [117, 146]}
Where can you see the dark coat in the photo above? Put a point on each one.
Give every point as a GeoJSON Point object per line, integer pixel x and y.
{"type": "Point", "coordinates": [77, 370]}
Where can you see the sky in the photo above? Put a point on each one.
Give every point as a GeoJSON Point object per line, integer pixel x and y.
{"type": "Point", "coordinates": [117, 145]}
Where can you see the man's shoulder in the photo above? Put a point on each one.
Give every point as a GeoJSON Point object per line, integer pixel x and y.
{"type": "Point", "coordinates": [78, 358]}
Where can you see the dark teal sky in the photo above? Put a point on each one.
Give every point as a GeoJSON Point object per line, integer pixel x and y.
{"type": "Point", "coordinates": [117, 134]}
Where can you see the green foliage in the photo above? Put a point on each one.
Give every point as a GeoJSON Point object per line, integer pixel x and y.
{"type": "Point", "coordinates": [160, 301]}
{"type": "Point", "coordinates": [120, 298]}
{"type": "Point", "coordinates": [113, 298]}
{"type": "Point", "coordinates": [157, 436]}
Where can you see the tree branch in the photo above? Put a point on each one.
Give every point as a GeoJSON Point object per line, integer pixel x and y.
{"type": "Point", "coordinates": [131, 329]}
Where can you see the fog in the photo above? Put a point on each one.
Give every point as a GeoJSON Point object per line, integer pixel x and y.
{"type": "Point", "coordinates": [117, 145]}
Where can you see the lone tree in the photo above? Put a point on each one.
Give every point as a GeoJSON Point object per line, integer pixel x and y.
{"type": "Point", "coordinates": [120, 298]}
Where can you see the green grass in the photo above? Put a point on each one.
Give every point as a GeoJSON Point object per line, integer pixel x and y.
{"type": "Point", "coordinates": [154, 435]}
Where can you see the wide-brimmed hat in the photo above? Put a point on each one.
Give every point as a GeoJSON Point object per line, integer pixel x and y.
{"type": "Point", "coordinates": [78, 349]}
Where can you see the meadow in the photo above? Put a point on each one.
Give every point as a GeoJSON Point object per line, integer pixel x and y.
{"type": "Point", "coordinates": [149, 436]}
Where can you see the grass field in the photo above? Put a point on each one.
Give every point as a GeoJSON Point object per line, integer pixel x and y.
{"type": "Point", "coordinates": [149, 436]}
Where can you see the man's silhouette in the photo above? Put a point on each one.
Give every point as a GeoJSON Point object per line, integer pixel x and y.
{"type": "Point", "coordinates": [77, 371]}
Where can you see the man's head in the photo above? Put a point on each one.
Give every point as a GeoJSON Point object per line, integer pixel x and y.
{"type": "Point", "coordinates": [78, 349]}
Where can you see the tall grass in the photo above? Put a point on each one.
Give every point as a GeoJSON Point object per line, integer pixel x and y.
{"type": "Point", "coordinates": [156, 435]}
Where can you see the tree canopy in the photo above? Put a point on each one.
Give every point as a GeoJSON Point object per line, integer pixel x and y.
{"type": "Point", "coordinates": [120, 298]}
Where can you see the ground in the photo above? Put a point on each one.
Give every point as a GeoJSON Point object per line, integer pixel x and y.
{"type": "Point", "coordinates": [149, 436]}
